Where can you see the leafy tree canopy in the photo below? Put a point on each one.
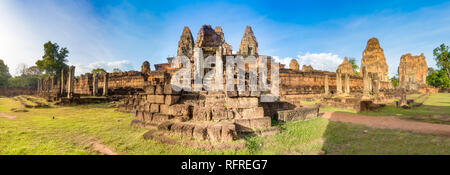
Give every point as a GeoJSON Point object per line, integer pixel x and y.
{"type": "Point", "coordinates": [442, 57]}
{"type": "Point", "coordinates": [439, 79]}
{"type": "Point", "coordinates": [355, 67]}
{"type": "Point", "coordinates": [54, 60]}
{"type": "Point", "coordinates": [4, 73]}
{"type": "Point", "coordinates": [98, 71]}
{"type": "Point", "coordinates": [394, 80]}
{"type": "Point", "coordinates": [117, 70]}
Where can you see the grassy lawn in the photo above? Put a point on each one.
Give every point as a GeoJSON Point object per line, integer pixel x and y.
{"type": "Point", "coordinates": [35, 132]}
{"type": "Point", "coordinates": [435, 109]}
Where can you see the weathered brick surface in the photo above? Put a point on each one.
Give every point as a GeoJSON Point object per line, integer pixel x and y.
{"type": "Point", "coordinates": [165, 126]}
{"type": "Point", "coordinates": [253, 123]}
{"type": "Point", "coordinates": [200, 132]}
{"type": "Point", "coordinates": [161, 117]}
{"type": "Point", "coordinates": [228, 132]}
{"type": "Point", "coordinates": [257, 112]}
{"type": "Point", "coordinates": [298, 114]}
{"type": "Point", "coordinates": [201, 113]}
{"type": "Point", "coordinates": [215, 132]}
{"type": "Point", "coordinates": [155, 99]}
{"type": "Point", "coordinates": [219, 113]}
{"type": "Point", "coordinates": [159, 90]}
{"type": "Point", "coordinates": [243, 102]}
{"type": "Point", "coordinates": [171, 99]}
{"type": "Point", "coordinates": [154, 108]}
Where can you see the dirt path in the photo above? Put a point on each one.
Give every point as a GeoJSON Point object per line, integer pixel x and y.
{"type": "Point", "coordinates": [102, 148]}
{"type": "Point", "coordinates": [389, 123]}
{"type": "Point", "coordinates": [7, 116]}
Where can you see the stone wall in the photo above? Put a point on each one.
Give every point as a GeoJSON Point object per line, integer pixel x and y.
{"type": "Point", "coordinates": [12, 91]}
{"type": "Point", "coordinates": [120, 83]}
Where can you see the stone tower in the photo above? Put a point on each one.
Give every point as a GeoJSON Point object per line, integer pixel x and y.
{"type": "Point", "coordinates": [208, 40]}
{"type": "Point", "coordinates": [293, 65]}
{"type": "Point", "coordinates": [227, 49]}
{"type": "Point", "coordinates": [249, 45]}
{"type": "Point", "coordinates": [346, 67]}
{"type": "Point", "coordinates": [412, 71]}
{"type": "Point", "coordinates": [186, 43]}
{"type": "Point", "coordinates": [374, 61]}
{"type": "Point", "coordinates": [145, 68]}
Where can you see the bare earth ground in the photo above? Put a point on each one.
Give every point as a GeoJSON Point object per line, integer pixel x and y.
{"type": "Point", "coordinates": [7, 116]}
{"type": "Point", "coordinates": [102, 148]}
{"type": "Point", "coordinates": [389, 123]}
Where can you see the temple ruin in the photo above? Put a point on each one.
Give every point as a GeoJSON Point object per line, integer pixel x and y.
{"type": "Point", "coordinates": [220, 115]}
{"type": "Point", "coordinates": [374, 61]}
{"type": "Point", "coordinates": [412, 71]}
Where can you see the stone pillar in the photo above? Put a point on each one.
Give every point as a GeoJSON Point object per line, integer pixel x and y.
{"type": "Point", "coordinates": [105, 85]}
{"type": "Point", "coordinates": [70, 81]}
{"type": "Point", "coordinates": [338, 83]}
{"type": "Point", "coordinates": [219, 70]}
{"type": "Point", "coordinates": [198, 69]}
{"type": "Point", "coordinates": [366, 83]}
{"type": "Point", "coordinates": [376, 85]}
{"type": "Point", "coordinates": [327, 88]}
{"type": "Point", "coordinates": [347, 84]}
{"type": "Point", "coordinates": [62, 81]}
{"type": "Point", "coordinates": [94, 84]}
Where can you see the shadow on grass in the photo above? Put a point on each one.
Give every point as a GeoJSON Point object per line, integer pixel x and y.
{"type": "Point", "coordinates": [343, 138]}
{"type": "Point", "coordinates": [424, 113]}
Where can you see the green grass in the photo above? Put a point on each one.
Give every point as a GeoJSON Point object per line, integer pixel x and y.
{"type": "Point", "coordinates": [435, 109]}
{"type": "Point", "coordinates": [35, 132]}
{"type": "Point", "coordinates": [342, 138]}
{"type": "Point", "coordinates": [316, 135]}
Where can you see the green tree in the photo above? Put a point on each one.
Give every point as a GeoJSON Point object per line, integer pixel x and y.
{"type": "Point", "coordinates": [98, 71]}
{"type": "Point", "coordinates": [355, 67]}
{"type": "Point", "coordinates": [28, 77]}
{"type": "Point", "coordinates": [4, 73]}
{"type": "Point", "coordinates": [442, 58]}
{"type": "Point", "coordinates": [430, 71]}
{"type": "Point", "coordinates": [439, 79]}
{"type": "Point", "coordinates": [54, 60]}
{"type": "Point", "coordinates": [117, 70]}
{"type": "Point", "coordinates": [394, 80]}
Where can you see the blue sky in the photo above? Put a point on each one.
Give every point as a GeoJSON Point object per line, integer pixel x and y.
{"type": "Point", "coordinates": [122, 34]}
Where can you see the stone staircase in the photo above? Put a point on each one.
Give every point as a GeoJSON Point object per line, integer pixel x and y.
{"type": "Point", "coordinates": [212, 116]}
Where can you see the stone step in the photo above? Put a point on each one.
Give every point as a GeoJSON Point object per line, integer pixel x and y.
{"type": "Point", "coordinates": [298, 114]}
{"type": "Point", "coordinates": [252, 123]}
{"type": "Point", "coordinates": [145, 116]}
{"type": "Point", "coordinates": [215, 132]}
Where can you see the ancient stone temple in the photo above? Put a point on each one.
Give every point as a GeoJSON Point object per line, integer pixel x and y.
{"type": "Point", "coordinates": [186, 43]}
{"type": "Point", "coordinates": [210, 40]}
{"type": "Point", "coordinates": [227, 49]}
{"type": "Point", "coordinates": [412, 71]}
{"type": "Point", "coordinates": [249, 45]}
{"type": "Point", "coordinates": [307, 68]}
{"type": "Point", "coordinates": [225, 115]}
{"type": "Point", "coordinates": [373, 59]}
{"type": "Point", "coordinates": [346, 67]}
{"type": "Point", "coordinates": [145, 67]}
{"type": "Point", "coordinates": [293, 65]}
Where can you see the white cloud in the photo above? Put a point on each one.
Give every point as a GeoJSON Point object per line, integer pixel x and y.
{"type": "Point", "coordinates": [284, 61]}
{"type": "Point", "coordinates": [123, 65]}
{"type": "Point", "coordinates": [320, 61]}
